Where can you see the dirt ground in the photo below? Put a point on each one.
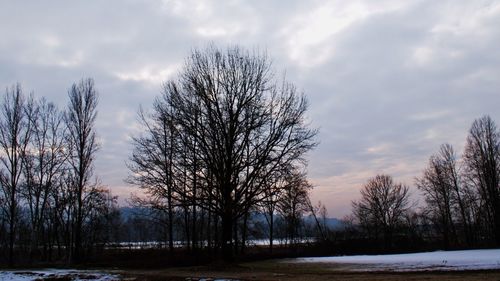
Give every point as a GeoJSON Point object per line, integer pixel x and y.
{"type": "Point", "coordinates": [276, 271]}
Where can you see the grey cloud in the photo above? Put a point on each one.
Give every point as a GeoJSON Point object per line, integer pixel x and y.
{"type": "Point", "coordinates": [388, 82]}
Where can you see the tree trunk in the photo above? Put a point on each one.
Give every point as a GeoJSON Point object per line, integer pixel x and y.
{"type": "Point", "coordinates": [209, 229]}
{"type": "Point", "coordinates": [497, 223]}
{"type": "Point", "coordinates": [227, 229]}
{"type": "Point", "coordinates": [12, 235]}
{"type": "Point", "coordinates": [271, 232]}
{"type": "Point", "coordinates": [235, 233]}
{"type": "Point", "coordinates": [170, 223]}
{"type": "Point", "coordinates": [76, 257]}
{"type": "Point", "coordinates": [186, 225]}
{"type": "Point", "coordinates": [244, 232]}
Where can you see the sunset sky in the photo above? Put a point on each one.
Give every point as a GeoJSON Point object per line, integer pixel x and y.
{"type": "Point", "coordinates": [388, 81]}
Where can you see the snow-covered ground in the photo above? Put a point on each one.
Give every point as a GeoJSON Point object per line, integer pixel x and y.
{"type": "Point", "coordinates": [76, 275]}
{"type": "Point", "coordinates": [439, 260]}
{"type": "Point", "coordinates": [70, 274]}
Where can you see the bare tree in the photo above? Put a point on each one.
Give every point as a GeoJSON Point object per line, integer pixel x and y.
{"type": "Point", "coordinates": [99, 204]}
{"type": "Point", "coordinates": [14, 138]}
{"type": "Point", "coordinates": [269, 205]}
{"type": "Point", "coordinates": [62, 212]}
{"type": "Point", "coordinates": [319, 214]}
{"type": "Point", "coordinates": [152, 160]}
{"type": "Point", "coordinates": [382, 206]}
{"type": "Point", "coordinates": [437, 185]}
{"type": "Point", "coordinates": [80, 118]}
{"type": "Point", "coordinates": [237, 126]}
{"type": "Point", "coordinates": [460, 191]}
{"type": "Point", "coordinates": [482, 163]}
{"type": "Point", "coordinates": [44, 161]}
{"type": "Point", "coordinates": [293, 203]}
{"type": "Point", "coordinates": [446, 196]}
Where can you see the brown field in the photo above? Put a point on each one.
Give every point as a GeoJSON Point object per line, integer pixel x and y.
{"type": "Point", "coordinates": [275, 271]}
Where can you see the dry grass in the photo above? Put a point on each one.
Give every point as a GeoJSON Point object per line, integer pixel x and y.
{"type": "Point", "coordinates": [277, 271]}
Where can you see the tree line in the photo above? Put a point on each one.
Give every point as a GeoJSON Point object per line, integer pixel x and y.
{"type": "Point", "coordinates": [224, 141]}
{"type": "Point", "coordinates": [461, 196]}
{"type": "Point", "coordinates": [220, 161]}
{"type": "Point", "coordinates": [52, 207]}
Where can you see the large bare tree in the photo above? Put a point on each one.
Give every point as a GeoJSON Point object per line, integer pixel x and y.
{"type": "Point", "coordinates": [238, 125]}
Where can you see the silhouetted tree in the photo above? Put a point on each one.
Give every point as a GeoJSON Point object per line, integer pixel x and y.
{"type": "Point", "coordinates": [269, 205]}
{"type": "Point", "coordinates": [44, 162]}
{"type": "Point", "coordinates": [482, 163]}
{"type": "Point", "coordinates": [237, 125]}
{"type": "Point", "coordinates": [152, 161]}
{"type": "Point", "coordinates": [438, 191]}
{"type": "Point", "coordinates": [294, 203]}
{"type": "Point", "coordinates": [445, 196]}
{"type": "Point", "coordinates": [14, 138]}
{"type": "Point", "coordinates": [319, 214]}
{"type": "Point", "coordinates": [82, 144]}
{"type": "Point", "coordinates": [382, 206]}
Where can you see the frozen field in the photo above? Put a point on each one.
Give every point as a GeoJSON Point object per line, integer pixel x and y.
{"type": "Point", "coordinates": [63, 274]}
{"type": "Point", "coordinates": [73, 275]}
{"type": "Point", "coordinates": [440, 260]}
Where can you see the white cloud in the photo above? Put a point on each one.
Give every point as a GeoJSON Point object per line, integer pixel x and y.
{"type": "Point", "coordinates": [153, 75]}
{"type": "Point", "coordinates": [311, 35]}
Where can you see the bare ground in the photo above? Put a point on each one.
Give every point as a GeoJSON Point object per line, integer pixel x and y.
{"type": "Point", "coordinates": [276, 271]}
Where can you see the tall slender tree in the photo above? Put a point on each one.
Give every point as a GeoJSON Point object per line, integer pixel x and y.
{"type": "Point", "coordinates": [82, 144]}
{"type": "Point", "coordinates": [14, 138]}
{"type": "Point", "coordinates": [437, 185]}
{"type": "Point", "coordinates": [482, 162]}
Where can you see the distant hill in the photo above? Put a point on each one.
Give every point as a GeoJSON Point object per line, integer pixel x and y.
{"type": "Point", "coordinates": [128, 212]}
{"type": "Point", "coordinates": [332, 223]}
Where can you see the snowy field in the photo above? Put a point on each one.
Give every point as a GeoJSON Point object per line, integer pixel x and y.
{"type": "Point", "coordinates": [429, 261]}
{"type": "Point", "coordinates": [63, 274]}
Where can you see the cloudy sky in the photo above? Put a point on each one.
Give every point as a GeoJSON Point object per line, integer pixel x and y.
{"type": "Point", "coordinates": [387, 81]}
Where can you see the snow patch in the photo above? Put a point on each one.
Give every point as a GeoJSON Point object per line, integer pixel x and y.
{"type": "Point", "coordinates": [427, 261]}
{"type": "Point", "coordinates": [75, 275]}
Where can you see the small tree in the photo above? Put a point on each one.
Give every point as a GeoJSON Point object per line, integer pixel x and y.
{"type": "Point", "coordinates": [382, 206]}
{"type": "Point", "coordinates": [293, 203]}
{"type": "Point", "coordinates": [319, 213]}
